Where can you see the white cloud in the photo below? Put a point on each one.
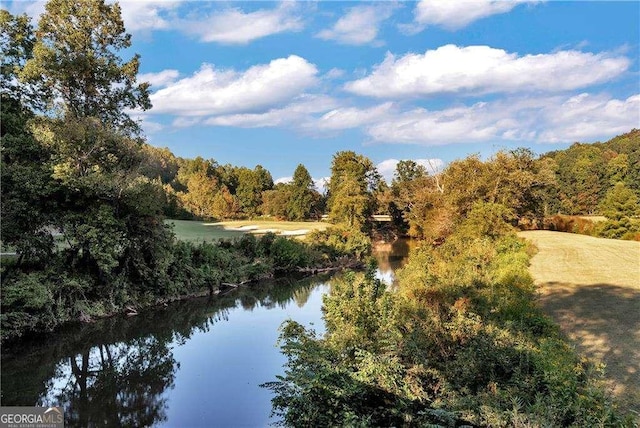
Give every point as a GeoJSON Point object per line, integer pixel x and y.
{"type": "Point", "coordinates": [421, 126]}
{"type": "Point", "coordinates": [211, 91]}
{"type": "Point", "coordinates": [186, 122]}
{"type": "Point", "coordinates": [545, 119]}
{"type": "Point", "coordinates": [140, 15]}
{"type": "Point", "coordinates": [359, 25]}
{"type": "Point", "coordinates": [334, 73]}
{"type": "Point", "coordinates": [160, 79]}
{"type": "Point", "coordinates": [145, 122]}
{"type": "Point", "coordinates": [320, 184]}
{"type": "Point", "coordinates": [453, 15]}
{"type": "Point", "coordinates": [233, 26]}
{"type": "Point", "coordinates": [587, 117]}
{"type": "Point", "coordinates": [352, 117]}
{"type": "Point", "coordinates": [387, 167]}
{"type": "Point", "coordinates": [297, 114]}
{"type": "Point", "coordinates": [284, 180]}
{"type": "Point", "coordinates": [482, 69]}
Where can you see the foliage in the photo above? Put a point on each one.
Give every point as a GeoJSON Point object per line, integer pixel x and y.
{"type": "Point", "coordinates": [293, 201]}
{"type": "Point", "coordinates": [460, 342]}
{"type": "Point", "coordinates": [75, 56]}
{"type": "Point", "coordinates": [303, 196]}
{"type": "Point", "coordinates": [353, 179]}
{"type": "Point", "coordinates": [341, 241]}
{"type": "Point", "coordinates": [620, 202]}
{"type": "Point", "coordinates": [585, 173]}
{"type": "Point", "coordinates": [432, 206]}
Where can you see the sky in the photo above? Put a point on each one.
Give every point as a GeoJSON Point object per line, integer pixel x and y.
{"type": "Point", "coordinates": [283, 83]}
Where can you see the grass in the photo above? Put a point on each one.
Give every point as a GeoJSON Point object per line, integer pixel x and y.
{"type": "Point", "coordinates": [591, 287]}
{"type": "Point", "coordinates": [197, 231]}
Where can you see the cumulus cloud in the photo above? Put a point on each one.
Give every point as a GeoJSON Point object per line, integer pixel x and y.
{"type": "Point", "coordinates": [146, 123]}
{"type": "Point", "coordinates": [554, 119]}
{"type": "Point", "coordinates": [160, 79]}
{"type": "Point", "coordinates": [387, 167]}
{"type": "Point", "coordinates": [352, 117]}
{"type": "Point", "coordinates": [212, 91]}
{"type": "Point", "coordinates": [297, 114]}
{"type": "Point", "coordinates": [587, 117]}
{"type": "Point", "coordinates": [453, 15]}
{"type": "Point", "coordinates": [359, 25]}
{"type": "Point", "coordinates": [140, 15]}
{"type": "Point", "coordinates": [283, 180]}
{"type": "Point", "coordinates": [483, 69]}
{"type": "Point", "coordinates": [320, 184]}
{"type": "Point", "coordinates": [233, 26]}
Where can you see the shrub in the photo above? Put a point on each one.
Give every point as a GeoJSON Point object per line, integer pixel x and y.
{"type": "Point", "coordinates": [341, 241]}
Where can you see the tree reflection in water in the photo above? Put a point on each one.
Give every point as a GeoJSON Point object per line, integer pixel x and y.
{"type": "Point", "coordinates": [118, 371]}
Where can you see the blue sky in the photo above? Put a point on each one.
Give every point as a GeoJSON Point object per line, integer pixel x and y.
{"type": "Point", "coordinates": [278, 84]}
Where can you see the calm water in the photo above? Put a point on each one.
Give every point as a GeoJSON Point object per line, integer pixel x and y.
{"type": "Point", "coordinates": [193, 363]}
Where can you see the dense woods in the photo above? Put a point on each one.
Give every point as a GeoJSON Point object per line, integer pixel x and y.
{"type": "Point", "coordinates": [459, 342]}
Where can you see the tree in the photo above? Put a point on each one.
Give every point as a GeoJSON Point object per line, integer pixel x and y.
{"type": "Point", "coordinates": [75, 57]}
{"type": "Point", "coordinates": [251, 184]}
{"type": "Point", "coordinates": [303, 196]}
{"type": "Point", "coordinates": [620, 202]}
{"type": "Point", "coordinates": [353, 179]}
{"type": "Point", "coordinates": [275, 202]}
{"type": "Point", "coordinates": [16, 44]}
{"type": "Point", "coordinates": [107, 212]}
{"type": "Point", "coordinates": [408, 170]}
{"type": "Point", "coordinates": [25, 173]}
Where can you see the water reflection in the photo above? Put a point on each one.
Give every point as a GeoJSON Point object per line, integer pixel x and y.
{"type": "Point", "coordinates": [391, 257]}
{"type": "Point", "coordinates": [193, 363]}
{"type": "Point", "coordinates": [122, 371]}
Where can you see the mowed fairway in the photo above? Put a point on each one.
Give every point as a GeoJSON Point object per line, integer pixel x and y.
{"type": "Point", "coordinates": [198, 231]}
{"type": "Point", "coordinates": [591, 287]}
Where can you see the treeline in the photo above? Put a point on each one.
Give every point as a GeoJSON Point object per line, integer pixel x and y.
{"type": "Point", "coordinates": [202, 189]}
{"type": "Point", "coordinates": [585, 173]}
{"type": "Point", "coordinates": [585, 179]}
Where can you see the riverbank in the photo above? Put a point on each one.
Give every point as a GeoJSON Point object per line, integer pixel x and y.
{"type": "Point", "coordinates": [39, 298]}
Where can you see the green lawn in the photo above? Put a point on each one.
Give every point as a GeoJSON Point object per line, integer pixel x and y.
{"type": "Point", "coordinates": [197, 231]}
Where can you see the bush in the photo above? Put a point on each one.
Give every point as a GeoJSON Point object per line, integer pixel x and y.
{"type": "Point", "coordinates": [288, 255]}
{"type": "Point", "coordinates": [341, 241]}
{"type": "Point", "coordinates": [570, 224]}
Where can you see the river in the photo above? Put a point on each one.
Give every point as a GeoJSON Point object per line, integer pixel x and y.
{"type": "Point", "coordinates": [193, 363]}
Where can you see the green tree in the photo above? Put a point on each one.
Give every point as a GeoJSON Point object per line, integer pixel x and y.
{"type": "Point", "coordinates": [25, 174]}
{"type": "Point", "coordinates": [275, 202]}
{"type": "Point", "coordinates": [304, 197]}
{"type": "Point", "coordinates": [199, 184]}
{"type": "Point", "coordinates": [16, 44]}
{"type": "Point", "coordinates": [620, 202]}
{"type": "Point", "coordinates": [108, 213]}
{"type": "Point", "coordinates": [353, 180]}
{"type": "Point", "coordinates": [251, 184]}
{"type": "Point", "coordinates": [408, 170]}
{"type": "Point", "coordinates": [76, 58]}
